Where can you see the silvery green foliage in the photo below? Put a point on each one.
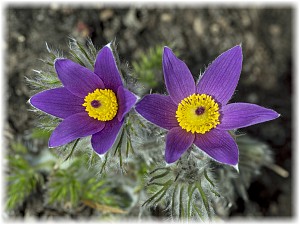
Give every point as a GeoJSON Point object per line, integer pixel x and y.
{"type": "Point", "coordinates": [184, 189]}
{"type": "Point", "coordinates": [193, 188]}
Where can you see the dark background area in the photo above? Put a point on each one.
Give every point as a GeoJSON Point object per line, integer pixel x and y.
{"type": "Point", "coordinates": [199, 34]}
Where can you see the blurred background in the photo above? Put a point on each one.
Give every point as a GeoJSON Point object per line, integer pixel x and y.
{"type": "Point", "coordinates": [199, 34]}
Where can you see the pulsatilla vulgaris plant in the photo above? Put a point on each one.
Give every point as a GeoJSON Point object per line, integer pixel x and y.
{"type": "Point", "coordinates": [90, 103]}
{"type": "Point", "coordinates": [93, 101]}
{"type": "Point", "coordinates": [199, 113]}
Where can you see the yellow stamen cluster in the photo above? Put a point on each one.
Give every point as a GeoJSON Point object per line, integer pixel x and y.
{"type": "Point", "coordinates": [102, 104]}
{"type": "Point", "coordinates": [198, 113]}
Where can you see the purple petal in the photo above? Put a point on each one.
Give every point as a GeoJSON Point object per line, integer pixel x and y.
{"type": "Point", "coordinates": [177, 142]}
{"type": "Point", "coordinates": [221, 77]}
{"type": "Point", "coordinates": [158, 109]}
{"type": "Point", "coordinates": [238, 115]}
{"type": "Point", "coordinates": [106, 69]}
{"type": "Point", "coordinates": [77, 79]}
{"type": "Point", "coordinates": [57, 102]}
{"type": "Point", "coordinates": [104, 140]}
{"type": "Point", "coordinates": [126, 102]}
{"type": "Point", "coordinates": [76, 126]}
{"type": "Point", "coordinates": [219, 145]}
{"type": "Point", "coordinates": [179, 80]}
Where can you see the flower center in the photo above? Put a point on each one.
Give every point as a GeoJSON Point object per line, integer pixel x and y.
{"type": "Point", "coordinates": [198, 113]}
{"type": "Point", "coordinates": [101, 104]}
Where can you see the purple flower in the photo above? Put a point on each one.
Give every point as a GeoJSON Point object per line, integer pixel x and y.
{"type": "Point", "coordinates": [90, 103]}
{"type": "Point", "coordinates": [199, 113]}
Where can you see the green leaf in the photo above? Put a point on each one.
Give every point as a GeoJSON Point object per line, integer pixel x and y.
{"type": "Point", "coordinates": [39, 133]}
{"type": "Point", "coordinates": [18, 147]}
{"type": "Point", "coordinates": [204, 198]}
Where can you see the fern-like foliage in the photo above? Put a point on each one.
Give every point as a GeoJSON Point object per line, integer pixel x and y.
{"type": "Point", "coordinates": [185, 189]}
{"type": "Point", "coordinates": [70, 185]}
{"type": "Point", "coordinates": [147, 68]}
{"type": "Point", "coordinates": [23, 178]}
